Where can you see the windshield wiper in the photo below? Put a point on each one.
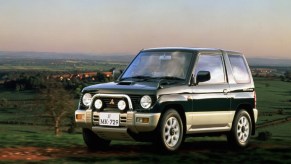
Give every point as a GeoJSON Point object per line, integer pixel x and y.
{"type": "Point", "coordinates": [144, 78]}
{"type": "Point", "coordinates": [170, 78]}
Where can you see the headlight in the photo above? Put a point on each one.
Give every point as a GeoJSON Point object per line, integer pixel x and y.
{"type": "Point", "coordinates": [121, 105]}
{"type": "Point", "coordinates": [87, 98]}
{"type": "Point", "coordinates": [98, 104]}
{"type": "Point", "coordinates": [146, 102]}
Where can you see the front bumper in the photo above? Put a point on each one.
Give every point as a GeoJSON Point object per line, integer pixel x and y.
{"type": "Point", "coordinates": [129, 123]}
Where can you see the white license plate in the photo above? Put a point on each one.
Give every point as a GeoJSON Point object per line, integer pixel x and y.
{"type": "Point", "coordinates": [109, 119]}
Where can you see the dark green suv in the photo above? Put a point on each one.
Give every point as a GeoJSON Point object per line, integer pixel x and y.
{"type": "Point", "coordinates": [166, 94]}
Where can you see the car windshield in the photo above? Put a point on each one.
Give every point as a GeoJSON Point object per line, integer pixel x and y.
{"type": "Point", "coordinates": [168, 65]}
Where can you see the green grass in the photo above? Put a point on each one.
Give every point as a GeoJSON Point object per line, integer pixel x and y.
{"type": "Point", "coordinates": [21, 106]}
{"type": "Point", "coordinates": [264, 119]}
{"type": "Point", "coordinates": [13, 95]}
{"type": "Point", "coordinates": [40, 136]}
{"type": "Point", "coordinates": [279, 132]}
{"type": "Point", "coordinates": [273, 94]}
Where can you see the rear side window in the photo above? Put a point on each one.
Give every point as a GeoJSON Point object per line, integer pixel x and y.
{"type": "Point", "coordinates": [239, 69]}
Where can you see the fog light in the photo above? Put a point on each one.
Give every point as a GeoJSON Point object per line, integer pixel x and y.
{"type": "Point", "coordinates": [79, 116]}
{"type": "Point", "coordinates": [142, 120]}
{"type": "Point", "coordinates": [98, 104]}
{"type": "Point", "coordinates": [121, 105]}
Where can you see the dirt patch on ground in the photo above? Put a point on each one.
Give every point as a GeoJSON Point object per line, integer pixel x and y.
{"type": "Point", "coordinates": [39, 154]}
{"type": "Point", "coordinates": [42, 154]}
{"type": "Point", "coordinates": [23, 153]}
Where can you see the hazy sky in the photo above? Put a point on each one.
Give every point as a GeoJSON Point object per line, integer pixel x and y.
{"type": "Point", "coordinates": [260, 28]}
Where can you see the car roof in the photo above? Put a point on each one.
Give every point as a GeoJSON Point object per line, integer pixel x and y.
{"type": "Point", "coordinates": [189, 49]}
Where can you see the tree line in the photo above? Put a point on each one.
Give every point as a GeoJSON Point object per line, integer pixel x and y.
{"type": "Point", "coordinates": [286, 76]}
{"type": "Point", "coordinates": [37, 81]}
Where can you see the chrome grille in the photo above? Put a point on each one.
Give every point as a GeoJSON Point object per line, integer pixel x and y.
{"type": "Point", "coordinates": [111, 102]}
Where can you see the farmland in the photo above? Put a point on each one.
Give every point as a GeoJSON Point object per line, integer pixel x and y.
{"type": "Point", "coordinates": [57, 65]}
{"type": "Point", "coordinates": [26, 135]}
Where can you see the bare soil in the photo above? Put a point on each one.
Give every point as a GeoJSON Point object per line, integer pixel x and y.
{"type": "Point", "coordinates": [43, 154]}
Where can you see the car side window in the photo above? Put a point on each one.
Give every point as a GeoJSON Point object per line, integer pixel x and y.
{"type": "Point", "coordinates": [214, 64]}
{"type": "Point", "coordinates": [239, 69]}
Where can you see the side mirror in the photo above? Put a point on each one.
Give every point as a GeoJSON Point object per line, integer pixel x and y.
{"type": "Point", "coordinates": [116, 73]}
{"type": "Point", "coordinates": [202, 76]}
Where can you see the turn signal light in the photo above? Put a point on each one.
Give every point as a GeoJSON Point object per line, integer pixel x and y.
{"type": "Point", "coordinates": [142, 120]}
{"type": "Point", "coordinates": [79, 116]}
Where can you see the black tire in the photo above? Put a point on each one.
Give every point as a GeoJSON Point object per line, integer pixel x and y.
{"type": "Point", "coordinates": [93, 141]}
{"type": "Point", "coordinates": [170, 131]}
{"type": "Point", "coordinates": [241, 130]}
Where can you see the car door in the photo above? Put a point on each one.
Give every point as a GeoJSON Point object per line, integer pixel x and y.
{"type": "Point", "coordinates": [211, 103]}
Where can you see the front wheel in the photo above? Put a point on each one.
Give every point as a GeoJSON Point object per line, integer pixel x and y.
{"type": "Point", "coordinates": [170, 132]}
{"type": "Point", "coordinates": [93, 141]}
{"type": "Point", "coordinates": [240, 133]}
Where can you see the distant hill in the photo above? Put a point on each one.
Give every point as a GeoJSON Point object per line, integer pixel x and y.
{"type": "Point", "coordinates": [121, 57]}
{"type": "Point", "coordinates": [269, 62]}
{"type": "Point", "coordinates": [69, 56]}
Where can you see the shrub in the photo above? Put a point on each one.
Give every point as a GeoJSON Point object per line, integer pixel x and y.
{"type": "Point", "coordinates": [264, 136]}
{"type": "Point", "coordinates": [3, 102]}
{"type": "Point", "coordinates": [280, 111]}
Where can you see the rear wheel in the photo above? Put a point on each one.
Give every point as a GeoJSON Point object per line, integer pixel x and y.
{"type": "Point", "coordinates": [170, 132]}
{"type": "Point", "coordinates": [240, 133]}
{"type": "Point", "coordinates": [93, 141]}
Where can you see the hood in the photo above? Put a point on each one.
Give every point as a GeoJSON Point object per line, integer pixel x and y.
{"type": "Point", "coordinates": [124, 87]}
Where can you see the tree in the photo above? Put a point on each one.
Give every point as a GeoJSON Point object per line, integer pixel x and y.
{"type": "Point", "coordinates": [17, 88]}
{"type": "Point", "coordinates": [282, 78]}
{"type": "Point", "coordinates": [58, 103]}
{"type": "Point", "coordinates": [4, 103]}
{"type": "Point", "coordinates": [100, 77]}
{"type": "Point", "coordinates": [77, 91]}
{"type": "Point", "coordinates": [288, 75]}
{"type": "Point", "coordinates": [112, 69]}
